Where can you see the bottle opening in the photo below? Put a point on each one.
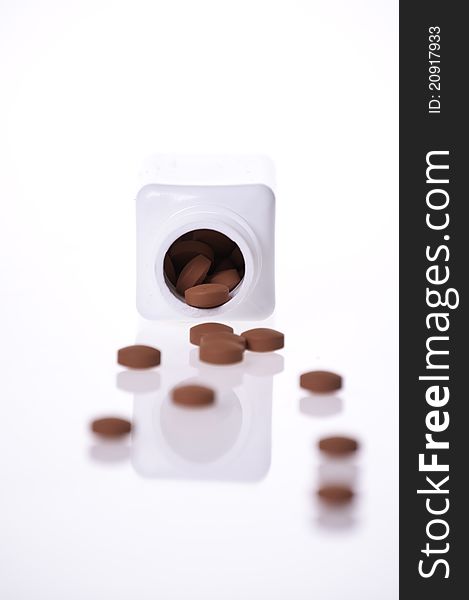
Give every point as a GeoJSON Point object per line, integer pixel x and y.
{"type": "Point", "coordinates": [204, 268]}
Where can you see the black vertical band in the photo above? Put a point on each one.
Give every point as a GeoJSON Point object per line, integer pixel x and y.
{"type": "Point", "coordinates": [433, 273]}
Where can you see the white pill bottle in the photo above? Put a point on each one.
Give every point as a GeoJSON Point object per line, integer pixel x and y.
{"type": "Point", "coordinates": [232, 195]}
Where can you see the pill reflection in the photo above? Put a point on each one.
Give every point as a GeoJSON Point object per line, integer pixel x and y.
{"type": "Point", "coordinates": [265, 364]}
{"type": "Point", "coordinates": [321, 405]}
{"type": "Point", "coordinates": [337, 515]}
{"type": "Point", "coordinates": [338, 472]}
{"type": "Point", "coordinates": [337, 518]}
{"type": "Point", "coordinates": [138, 382]}
{"type": "Point", "coordinates": [108, 452]}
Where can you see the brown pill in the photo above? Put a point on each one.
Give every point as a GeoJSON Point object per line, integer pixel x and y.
{"type": "Point", "coordinates": [216, 336]}
{"type": "Point", "coordinates": [320, 381]}
{"type": "Point", "coordinates": [193, 273]}
{"type": "Point", "coordinates": [338, 445]}
{"type": "Point", "coordinates": [198, 331]}
{"type": "Point", "coordinates": [193, 395]}
{"type": "Point", "coordinates": [186, 236]}
{"type": "Point", "coordinates": [207, 295]}
{"type": "Point", "coordinates": [223, 265]}
{"type": "Point", "coordinates": [236, 258]}
{"type": "Point", "coordinates": [230, 278]}
{"type": "Point", "coordinates": [219, 242]}
{"type": "Point", "coordinates": [169, 269]}
{"type": "Point", "coordinates": [263, 339]}
{"type": "Point", "coordinates": [139, 357]}
{"type": "Point", "coordinates": [111, 427]}
{"type": "Point", "coordinates": [335, 494]}
{"type": "Point", "coordinates": [182, 252]}
{"type": "Point", "coordinates": [221, 352]}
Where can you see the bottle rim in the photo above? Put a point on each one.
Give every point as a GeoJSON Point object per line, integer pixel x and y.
{"type": "Point", "coordinates": [226, 222]}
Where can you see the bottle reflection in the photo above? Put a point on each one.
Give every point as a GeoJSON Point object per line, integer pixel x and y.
{"type": "Point", "coordinates": [227, 441]}
{"type": "Point", "coordinates": [202, 435]}
{"type": "Point", "coordinates": [230, 440]}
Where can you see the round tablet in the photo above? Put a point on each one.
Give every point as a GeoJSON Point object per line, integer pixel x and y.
{"type": "Point", "coordinates": [222, 336]}
{"type": "Point", "coordinates": [193, 395]}
{"type": "Point", "coordinates": [338, 445]}
{"type": "Point", "coordinates": [223, 265]}
{"type": "Point", "coordinates": [263, 339]}
{"type": "Point", "coordinates": [207, 295]}
{"type": "Point", "coordinates": [182, 252]}
{"type": "Point", "coordinates": [321, 381]}
{"type": "Point", "coordinates": [196, 332]}
{"type": "Point", "coordinates": [193, 273]}
{"type": "Point", "coordinates": [169, 269]}
{"type": "Point", "coordinates": [229, 277]}
{"type": "Point", "coordinates": [221, 353]}
{"type": "Point", "coordinates": [219, 242]}
{"type": "Point", "coordinates": [186, 236]}
{"type": "Point", "coordinates": [236, 258]}
{"type": "Point", "coordinates": [111, 427]}
{"type": "Point", "coordinates": [335, 494]}
{"type": "Point", "coordinates": [139, 357]}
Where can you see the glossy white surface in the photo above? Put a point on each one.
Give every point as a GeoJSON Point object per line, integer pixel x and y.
{"type": "Point", "coordinates": [91, 88]}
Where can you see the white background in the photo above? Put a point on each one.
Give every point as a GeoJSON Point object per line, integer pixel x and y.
{"type": "Point", "coordinates": [88, 90]}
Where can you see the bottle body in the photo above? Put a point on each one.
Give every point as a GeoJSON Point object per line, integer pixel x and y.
{"type": "Point", "coordinates": [243, 213]}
